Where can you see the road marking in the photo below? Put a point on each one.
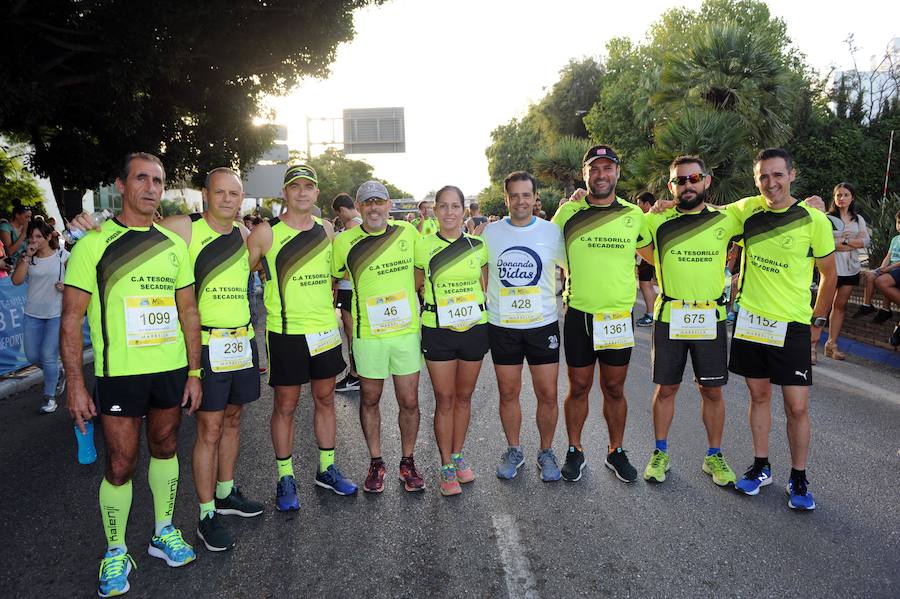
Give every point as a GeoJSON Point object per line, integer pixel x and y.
{"type": "Point", "coordinates": [858, 384]}
{"type": "Point", "coordinates": [520, 582]}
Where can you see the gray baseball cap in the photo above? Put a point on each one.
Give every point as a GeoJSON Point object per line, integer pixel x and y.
{"type": "Point", "coordinates": [372, 189]}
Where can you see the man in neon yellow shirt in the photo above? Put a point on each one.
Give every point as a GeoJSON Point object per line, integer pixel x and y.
{"type": "Point", "coordinates": [135, 282]}
{"type": "Point", "coordinates": [783, 239]}
{"type": "Point", "coordinates": [602, 233]}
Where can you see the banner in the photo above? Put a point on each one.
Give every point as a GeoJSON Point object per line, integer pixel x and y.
{"type": "Point", "coordinates": [12, 310]}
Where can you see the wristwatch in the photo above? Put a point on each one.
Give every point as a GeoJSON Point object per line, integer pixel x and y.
{"type": "Point", "coordinates": [198, 372]}
{"type": "Point", "coordinates": [819, 321]}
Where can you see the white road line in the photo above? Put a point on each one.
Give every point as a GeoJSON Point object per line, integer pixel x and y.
{"type": "Point", "coordinates": [858, 384]}
{"type": "Point", "coordinates": [516, 567]}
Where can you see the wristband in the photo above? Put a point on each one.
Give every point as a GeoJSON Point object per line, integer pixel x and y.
{"type": "Point", "coordinates": [198, 373]}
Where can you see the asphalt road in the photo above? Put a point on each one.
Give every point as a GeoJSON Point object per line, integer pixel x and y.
{"type": "Point", "coordinates": [522, 538]}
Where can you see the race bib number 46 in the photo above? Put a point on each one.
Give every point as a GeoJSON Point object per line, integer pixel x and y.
{"type": "Point", "coordinates": [458, 312]}
{"type": "Point", "coordinates": [521, 305]}
{"type": "Point", "coordinates": [759, 329]}
{"type": "Point", "coordinates": [229, 350]}
{"type": "Point", "coordinates": [692, 320]}
{"type": "Point", "coordinates": [150, 320]}
{"type": "Point", "coordinates": [613, 331]}
{"type": "Point", "coordinates": [388, 313]}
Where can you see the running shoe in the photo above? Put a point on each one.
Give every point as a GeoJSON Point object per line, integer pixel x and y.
{"type": "Point", "coordinates": [115, 567]}
{"type": "Point", "coordinates": [286, 495]}
{"type": "Point", "coordinates": [61, 383]}
{"type": "Point", "coordinates": [213, 534]}
{"type": "Point", "coordinates": [464, 473]}
{"type": "Point", "coordinates": [510, 462]}
{"type": "Point", "coordinates": [754, 478]}
{"type": "Point", "coordinates": [571, 470]}
{"type": "Point", "coordinates": [549, 467]}
{"type": "Point", "coordinates": [412, 481]}
{"type": "Point", "coordinates": [449, 481]}
{"type": "Point", "coordinates": [169, 545]}
{"type": "Point", "coordinates": [375, 478]}
{"type": "Point", "coordinates": [238, 505]}
{"type": "Point", "coordinates": [716, 466]}
{"type": "Point", "coordinates": [894, 339]}
{"type": "Point", "coordinates": [731, 317]}
{"type": "Point", "coordinates": [864, 310]}
{"type": "Point", "coordinates": [882, 316]}
{"type": "Point", "coordinates": [348, 383]}
{"type": "Point", "coordinates": [617, 461]}
{"type": "Point", "coordinates": [49, 406]}
{"type": "Point", "coordinates": [644, 321]}
{"type": "Point", "coordinates": [334, 480]}
{"type": "Point", "coordinates": [657, 467]}
{"type": "Point", "coordinates": [799, 497]}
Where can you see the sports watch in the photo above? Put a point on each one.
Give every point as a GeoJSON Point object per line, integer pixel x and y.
{"type": "Point", "coordinates": [819, 321]}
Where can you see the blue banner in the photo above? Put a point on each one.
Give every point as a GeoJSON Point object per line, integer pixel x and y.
{"type": "Point", "coordinates": [12, 310]}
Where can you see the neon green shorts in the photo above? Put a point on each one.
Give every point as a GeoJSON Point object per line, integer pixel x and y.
{"type": "Point", "coordinates": [379, 358]}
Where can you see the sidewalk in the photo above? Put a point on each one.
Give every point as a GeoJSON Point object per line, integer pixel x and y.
{"type": "Point", "coordinates": [29, 377]}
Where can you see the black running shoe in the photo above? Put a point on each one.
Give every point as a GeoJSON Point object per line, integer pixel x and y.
{"type": "Point", "coordinates": [618, 462]}
{"type": "Point", "coordinates": [882, 316]}
{"type": "Point", "coordinates": [571, 470]}
{"type": "Point", "coordinates": [213, 534]}
{"type": "Point", "coordinates": [894, 339]}
{"type": "Point", "coordinates": [863, 311]}
{"type": "Point", "coordinates": [348, 383]}
{"type": "Point", "coordinates": [238, 505]}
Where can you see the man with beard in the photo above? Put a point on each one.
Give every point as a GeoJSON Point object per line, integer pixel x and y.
{"type": "Point", "coordinates": [601, 234]}
{"type": "Point", "coordinates": [690, 246]}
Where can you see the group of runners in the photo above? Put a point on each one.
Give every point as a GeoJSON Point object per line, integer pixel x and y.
{"type": "Point", "coordinates": [170, 322]}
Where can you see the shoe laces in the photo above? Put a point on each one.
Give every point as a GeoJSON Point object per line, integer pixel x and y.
{"type": "Point", "coordinates": [114, 566]}
{"type": "Point", "coordinates": [287, 484]}
{"type": "Point", "coordinates": [510, 455]}
{"type": "Point", "coordinates": [718, 462]}
{"type": "Point", "coordinates": [548, 456]}
{"type": "Point", "coordinates": [173, 540]}
{"type": "Point", "coordinates": [657, 459]}
{"type": "Point", "coordinates": [460, 462]}
{"type": "Point", "coordinates": [376, 470]}
{"type": "Point", "coordinates": [448, 473]}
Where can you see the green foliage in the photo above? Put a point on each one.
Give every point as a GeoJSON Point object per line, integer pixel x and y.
{"type": "Point", "coordinates": [87, 82]}
{"type": "Point", "coordinates": [560, 162]}
{"type": "Point", "coordinates": [338, 174]}
{"type": "Point", "coordinates": [513, 147]}
{"type": "Point", "coordinates": [490, 200]}
{"type": "Point", "coordinates": [880, 218]}
{"type": "Point", "coordinates": [561, 111]}
{"type": "Point", "coordinates": [16, 183]}
{"type": "Point", "coordinates": [173, 207]}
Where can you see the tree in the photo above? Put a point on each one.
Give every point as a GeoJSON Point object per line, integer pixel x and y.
{"type": "Point", "coordinates": [561, 111]}
{"type": "Point", "coordinates": [16, 183]}
{"type": "Point", "coordinates": [338, 174]}
{"type": "Point", "coordinates": [560, 162]}
{"type": "Point", "coordinates": [87, 82]}
{"type": "Point", "coordinates": [513, 147]}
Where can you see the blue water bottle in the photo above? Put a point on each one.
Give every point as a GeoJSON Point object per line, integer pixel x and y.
{"type": "Point", "coordinates": [87, 453]}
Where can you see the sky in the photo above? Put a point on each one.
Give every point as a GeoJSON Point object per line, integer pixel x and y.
{"type": "Point", "coordinates": [459, 69]}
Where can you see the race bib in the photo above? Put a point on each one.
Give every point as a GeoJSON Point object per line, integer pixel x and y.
{"type": "Point", "coordinates": [229, 349]}
{"type": "Point", "coordinates": [521, 305]}
{"type": "Point", "coordinates": [692, 320]}
{"type": "Point", "coordinates": [321, 342]}
{"type": "Point", "coordinates": [151, 320]}
{"type": "Point", "coordinates": [759, 329]}
{"type": "Point", "coordinates": [613, 331]}
{"type": "Point", "coordinates": [388, 313]}
{"type": "Point", "coordinates": [458, 312]}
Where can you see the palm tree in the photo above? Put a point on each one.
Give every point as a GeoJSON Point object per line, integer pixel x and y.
{"type": "Point", "coordinates": [560, 161]}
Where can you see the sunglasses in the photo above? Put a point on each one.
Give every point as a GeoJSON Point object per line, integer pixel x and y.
{"type": "Point", "coordinates": [695, 178]}
{"type": "Point", "coordinates": [374, 201]}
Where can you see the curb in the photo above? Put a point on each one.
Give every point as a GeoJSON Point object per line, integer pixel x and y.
{"type": "Point", "coordinates": [14, 385]}
{"type": "Point", "coordinates": [866, 351]}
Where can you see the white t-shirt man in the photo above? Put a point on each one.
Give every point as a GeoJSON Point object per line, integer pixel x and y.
{"type": "Point", "coordinates": [522, 265]}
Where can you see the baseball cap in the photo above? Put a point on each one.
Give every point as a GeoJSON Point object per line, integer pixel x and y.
{"type": "Point", "coordinates": [372, 189]}
{"type": "Point", "coordinates": [601, 151]}
{"type": "Point", "coordinates": [300, 171]}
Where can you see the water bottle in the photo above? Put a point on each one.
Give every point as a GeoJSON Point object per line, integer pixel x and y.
{"type": "Point", "coordinates": [87, 453]}
{"type": "Point", "coordinates": [71, 235]}
{"type": "Point", "coordinates": [727, 290]}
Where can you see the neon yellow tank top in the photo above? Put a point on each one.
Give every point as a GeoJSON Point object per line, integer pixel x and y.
{"type": "Point", "coordinates": [298, 292]}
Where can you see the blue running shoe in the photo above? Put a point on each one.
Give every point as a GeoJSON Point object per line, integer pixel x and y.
{"type": "Point", "coordinates": [753, 479]}
{"type": "Point", "coordinates": [799, 496]}
{"type": "Point", "coordinates": [510, 462]}
{"type": "Point", "coordinates": [334, 480]}
{"type": "Point", "coordinates": [114, 570]}
{"type": "Point", "coordinates": [170, 546]}
{"type": "Point", "coordinates": [286, 495]}
{"type": "Point", "coordinates": [549, 467]}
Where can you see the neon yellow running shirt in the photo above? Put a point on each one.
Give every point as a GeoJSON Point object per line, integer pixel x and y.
{"type": "Point", "coordinates": [600, 251]}
{"type": "Point", "coordinates": [132, 275]}
{"type": "Point", "coordinates": [452, 276]}
{"type": "Point", "coordinates": [298, 295]}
